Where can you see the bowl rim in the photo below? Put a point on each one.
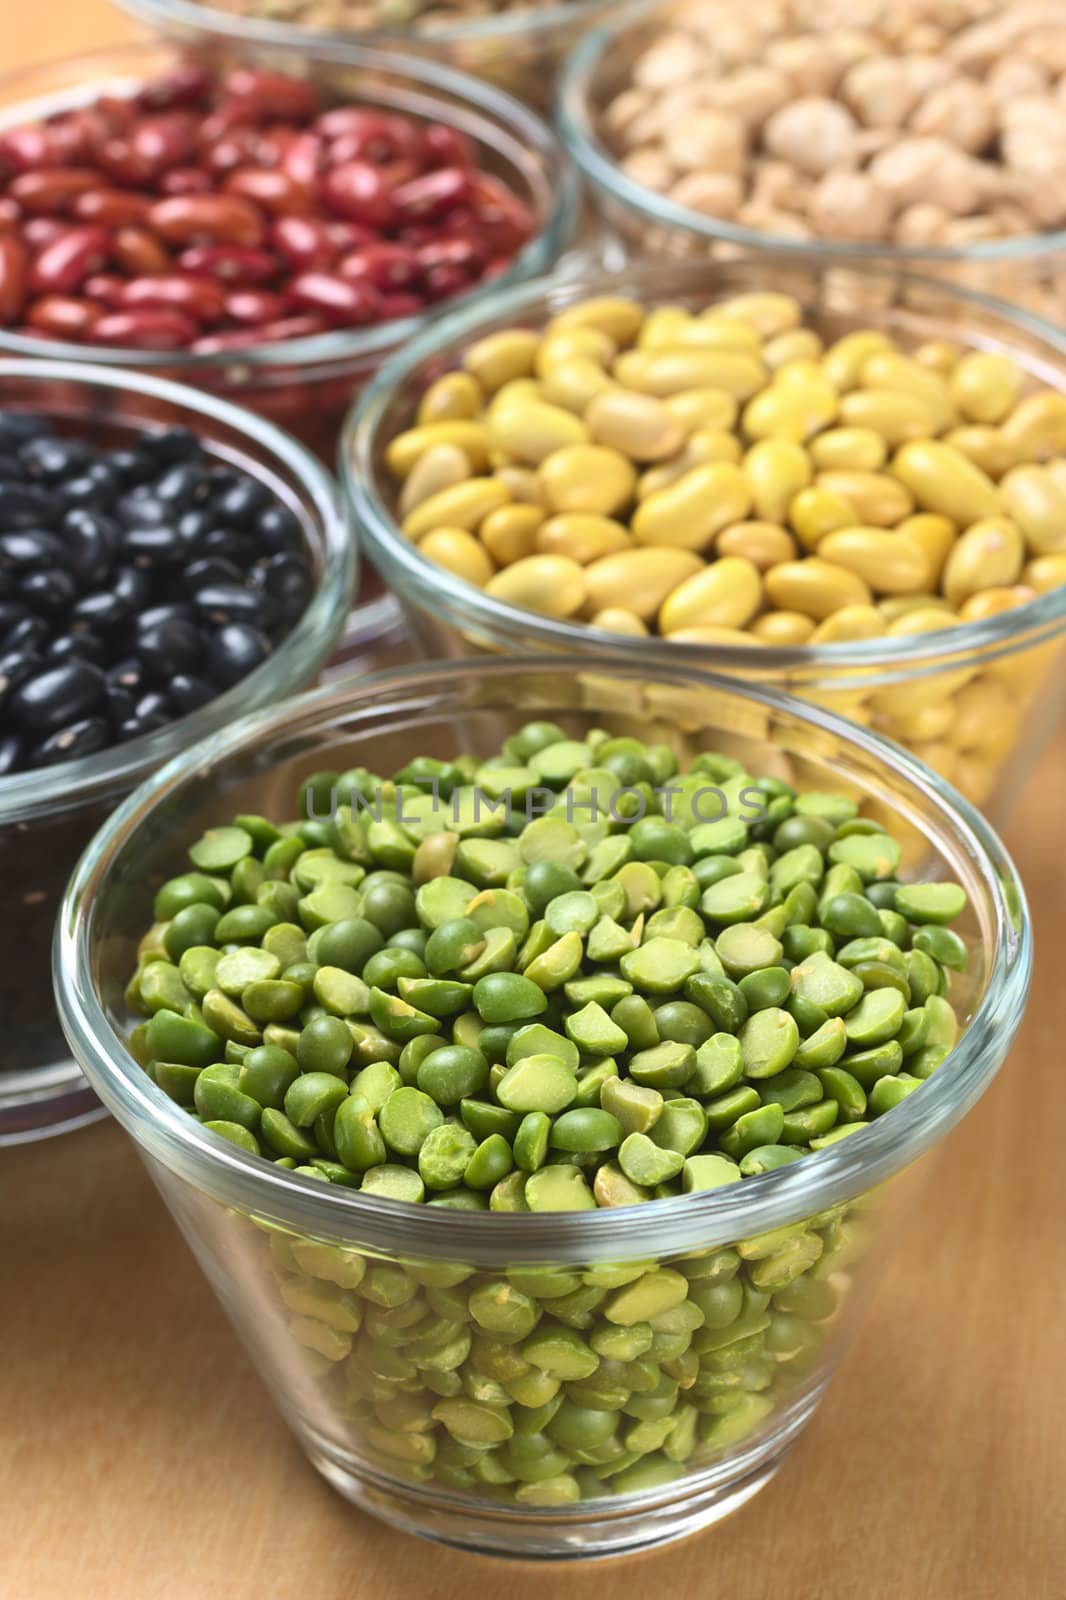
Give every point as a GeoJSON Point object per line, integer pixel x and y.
{"type": "Point", "coordinates": [491, 108]}
{"type": "Point", "coordinates": [496, 26]}
{"type": "Point", "coordinates": [838, 1173]}
{"type": "Point", "coordinates": [71, 784]}
{"type": "Point", "coordinates": [576, 129]}
{"type": "Point", "coordinates": [416, 577]}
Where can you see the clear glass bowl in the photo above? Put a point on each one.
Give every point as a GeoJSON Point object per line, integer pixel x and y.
{"type": "Point", "coordinates": [306, 384]}
{"type": "Point", "coordinates": [47, 817]}
{"type": "Point", "coordinates": [887, 683]}
{"type": "Point", "coordinates": [1025, 270]}
{"type": "Point", "coordinates": [298, 1264]}
{"type": "Point", "coordinates": [519, 49]}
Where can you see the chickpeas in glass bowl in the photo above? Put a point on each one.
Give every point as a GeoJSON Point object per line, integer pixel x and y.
{"type": "Point", "coordinates": [733, 467]}
{"type": "Point", "coordinates": [532, 1277]}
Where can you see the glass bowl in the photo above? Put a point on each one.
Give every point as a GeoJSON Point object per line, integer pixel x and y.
{"type": "Point", "coordinates": [297, 1263]}
{"type": "Point", "coordinates": [886, 682]}
{"type": "Point", "coordinates": [306, 384]}
{"type": "Point", "coordinates": [1025, 270]}
{"type": "Point", "coordinates": [48, 816]}
{"type": "Point", "coordinates": [519, 49]}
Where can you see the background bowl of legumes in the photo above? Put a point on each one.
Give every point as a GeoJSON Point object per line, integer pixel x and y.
{"type": "Point", "coordinates": [266, 228]}
{"type": "Point", "coordinates": [519, 1046]}
{"type": "Point", "coordinates": [518, 45]}
{"type": "Point", "coordinates": [865, 507]}
{"type": "Point", "coordinates": [929, 139]}
{"type": "Point", "coordinates": [75, 598]}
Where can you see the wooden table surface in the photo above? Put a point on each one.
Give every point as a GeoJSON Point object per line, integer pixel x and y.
{"type": "Point", "coordinates": [141, 1459]}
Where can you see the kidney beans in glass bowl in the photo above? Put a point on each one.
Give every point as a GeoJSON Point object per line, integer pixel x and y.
{"type": "Point", "coordinates": [103, 478]}
{"type": "Point", "coordinates": [267, 237]}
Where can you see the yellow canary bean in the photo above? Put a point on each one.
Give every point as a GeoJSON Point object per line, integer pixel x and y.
{"type": "Point", "coordinates": [877, 499]}
{"type": "Point", "coordinates": [615, 619]}
{"type": "Point", "coordinates": [932, 617]}
{"type": "Point", "coordinates": [713, 633]}
{"type": "Point", "coordinates": [817, 511]}
{"type": "Point", "coordinates": [795, 344]}
{"type": "Point", "coordinates": [1023, 673]}
{"type": "Point", "coordinates": [575, 384]}
{"type": "Point", "coordinates": [793, 409]}
{"type": "Point", "coordinates": [667, 372]}
{"type": "Point", "coordinates": [704, 448]}
{"type": "Point", "coordinates": [1037, 426]}
{"type": "Point", "coordinates": [638, 425]}
{"type": "Point", "coordinates": [550, 585]}
{"type": "Point", "coordinates": [931, 722]}
{"type": "Point", "coordinates": [768, 312]}
{"type": "Point", "coordinates": [1038, 505]}
{"type": "Point", "coordinates": [890, 370]}
{"type": "Point", "coordinates": [843, 362]}
{"type": "Point", "coordinates": [726, 594]}
{"type": "Point", "coordinates": [662, 327]}
{"type": "Point", "coordinates": [939, 755]}
{"type": "Point", "coordinates": [459, 552]}
{"type": "Point", "coordinates": [472, 438]}
{"type": "Point", "coordinates": [715, 333]}
{"type": "Point", "coordinates": [582, 537]}
{"type": "Point", "coordinates": [501, 357]}
{"type": "Point", "coordinates": [888, 562]}
{"type": "Point", "coordinates": [588, 477]}
{"type": "Point", "coordinates": [850, 624]}
{"type": "Point", "coordinates": [848, 449]}
{"type": "Point", "coordinates": [510, 534]}
{"type": "Point", "coordinates": [846, 703]}
{"type": "Point", "coordinates": [762, 543]}
{"type": "Point", "coordinates": [776, 470]}
{"type": "Point", "coordinates": [939, 354]}
{"type": "Point", "coordinates": [1045, 572]}
{"type": "Point", "coordinates": [530, 429]}
{"type": "Point", "coordinates": [988, 448]}
{"type": "Point", "coordinates": [523, 484]}
{"type": "Point", "coordinates": [992, 602]}
{"type": "Point", "coordinates": [515, 389]}
{"type": "Point", "coordinates": [815, 587]}
{"type": "Point", "coordinates": [783, 628]}
{"type": "Point", "coordinates": [638, 580]}
{"type": "Point", "coordinates": [901, 605]}
{"type": "Point", "coordinates": [702, 408]}
{"type": "Point", "coordinates": [920, 690]}
{"type": "Point", "coordinates": [620, 319]}
{"type": "Point", "coordinates": [439, 468]}
{"type": "Point", "coordinates": [1056, 469]}
{"type": "Point", "coordinates": [935, 535]}
{"type": "Point", "coordinates": [691, 511]}
{"type": "Point", "coordinates": [974, 776]}
{"type": "Point", "coordinates": [988, 556]}
{"type": "Point", "coordinates": [574, 344]}
{"type": "Point", "coordinates": [456, 397]}
{"type": "Point", "coordinates": [895, 414]}
{"type": "Point", "coordinates": [984, 718]}
{"type": "Point", "coordinates": [942, 479]}
{"type": "Point", "coordinates": [986, 387]}
{"type": "Point", "coordinates": [464, 505]}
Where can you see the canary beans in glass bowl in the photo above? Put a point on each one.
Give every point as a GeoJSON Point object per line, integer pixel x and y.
{"type": "Point", "coordinates": [724, 464]}
{"type": "Point", "coordinates": [567, 1350]}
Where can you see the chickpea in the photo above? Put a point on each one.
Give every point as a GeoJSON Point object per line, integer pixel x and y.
{"type": "Point", "coordinates": [814, 134]}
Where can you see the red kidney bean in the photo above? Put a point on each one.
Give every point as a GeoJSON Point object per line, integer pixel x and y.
{"type": "Point", "coordinates": [145, 329]}
{"type": "Point", "coordinates": [29, 147]}
{"type": "Point", "coordinates": [303, 242]}
{"type": "Point", "coordinates": [199, 298]}
{"type": "Point", "coordinates": [444, 280]}
{"type": "Point", "coordinates": [163, 142]}
{"type": "Point", "coordinates": [111, 208]}
{"type": "Point", "coordinates": [505, 222]}
{"type": "Point", "coordinates": [63, 316]}
{"type": "Point", "coordinates": [433, 195]}
{"type": "Point", "coordinates": [342, 302]}
{"type": "Point", "coordinates": [358, 191]}
{"type": "Point", "coordinates": [304, 159]}
{"type": "Point", "coordinates": [240, 147]}
{"type": "Point", "coordinates": [185, 180]}
{"type": "Point", "coordinates": [273, 332]}
{"type": "Point", "coordinates": [469, 255]}
{"type": "Point", "coordinates": [40, 231]}
{"type": "Point", "coordinates": [271, 95]}
{"type": "Point", "coordinates": [65, 264]}
{"type": "Point", "coordinates": [255, 306]}
{"type": "Point", "coordinates": [230, 264]}
{"type": "Point", "coordinates": [400, 305]}
{"type": "Point", "coordinates": [373, 133]}
{"type": "Point", "coordinates": [349, 236]}
{"type": "Point", "coordinates": [444, 146]}
{"type": "Point", "coordinates": [14, 267]}
{"type": "Point", "coordinates": [10, 214]}
{"type": "Point", "coordinates": [117, 111]}
{"type": "Point", "coordinates": [386, 266]}
{"type": "Point", "coordinates": [106, 288]}
{"type": "Point", "coordinates": [186, 85]}
{"type": "Point", "coordinates": [123, 164]}
{"type": "Point", "coordinates": [207, 219]}
{"type": "Point", "coordinates": [139, 252]}
{"type": "Point", "coordinates": [271, 190]}
{"type": "Point", "coordinates": [51, 189]}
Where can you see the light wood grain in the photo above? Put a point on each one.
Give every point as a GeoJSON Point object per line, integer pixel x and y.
{"type": "Point", "coordinates": [141, 1459]}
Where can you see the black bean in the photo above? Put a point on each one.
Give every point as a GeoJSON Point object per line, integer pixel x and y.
{"type": "Point", "coordinates": [84, 491]}
{"type": "Point", "coordinates": [278, 528]}
{"type": "Point", "coordinates": [183, 486]}
{"type": "Point", "coordinates": [51, 459]}
{"type": "Point", "coordinates": [151, 705]}
{"type": "Point", "coordinates": [239, 505]}
{"type": "Point", "coordinates": [131, 466]}
{"type": "Point", "coordinates": [140, 509]}
{"type": "Point", "coordinates": [228, 602]}
{"type": "Point", "coordinates": [128, 675]}
{"type": "Point", "coordinates": [32, 633]}
{"type": "Point", "coordinates": [120, 705]}
{"type": "Point", "coordinates": [11, 745]}
{"type": "Point", "coordinates": [27, 505]}
{"type": "Point", "coordinates": [211, 569]}
{"type": "Point", "coordinates": [173, 444]}
{"type": "Point", "coordinates": [151, 547]}
{"type": "Point", "coordinates": [133, 588]}
{"type": "Point", "coordinates": [85, 646]}
{"type": "Point", "coordinates": [286, 579]}
{"type": "Point", "coordinates": [175, 611]}
{"type": "Point", "coordinates": [12, 612]}
{"type": "Point", "coordinates": [11, 468]}
{"type": "Point", "coordinates": [170, 646]}
{"type": "Point", "coordinates": [57, 696]}
{"type": "Point", "coordinates": [15, 667]}
{"type": "Point", "coordinates": [194, 525]}
{"type": "Point", "coordinates": [103, 611]}
{"type": "Point", "coordinates": [187, 692]}
{"type": "Point", "coordinates": [77, 739]}
{"type": "Point", "coordinates": [18, 426]}
{"type": "Point", "coordinates": [31, 550]}
{"type": "Point", "coordinates": [233, 651]}
{"type": "Point", "coordinates": [50, 592]}
{"type": "Point", "coordinates": [240, 548]}
{"type": "Point", "coordinates": [91, 543]}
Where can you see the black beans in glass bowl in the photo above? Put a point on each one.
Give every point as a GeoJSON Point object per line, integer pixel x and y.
{"type": "Point", "coordinates": [168, 561]}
